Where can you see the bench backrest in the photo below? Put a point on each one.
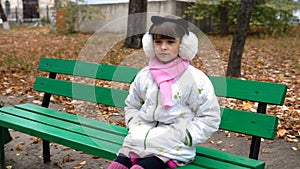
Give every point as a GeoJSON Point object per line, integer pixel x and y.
{"type": "Point", "coordinates": [249, 123]}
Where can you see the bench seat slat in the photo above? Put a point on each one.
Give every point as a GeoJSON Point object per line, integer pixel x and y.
{"type": "Point", "coordinates": [105, 149]}
{"type": "Point", "coordinates": [21, 113]}
{"type": "Point", "coordinates": [65, 125]}
{"type": "Point", "coordinates": [264, 92]}
{"type": "Point", "coordinates": [96, 94]}
{"type": "Point", "coordinates": [86, 69]}
{"type": "Point", "coordinates": [230, 158]}
{"type": "Point", "coordinates": [215, 164]}
{"type": "Point", "coordinates": [115, 129]}
{"type": "Point", "coordinates": [261, 125]}
{"type": "Point", "coordinates": [60, 136]}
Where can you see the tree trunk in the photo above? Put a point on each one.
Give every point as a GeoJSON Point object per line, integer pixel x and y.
{"type": "Point", "coordinates": [239, 38]}
{"type": "Point", "coordinates": [3, 16]}
{"type": "Point", "coordinates": [136, 25]}
{"type": "Point", "coordinates": [224, 12]}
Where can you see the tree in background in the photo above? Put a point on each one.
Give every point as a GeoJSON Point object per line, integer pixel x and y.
{"type": "Point", "coordinates": [267, 17]}
{"type": "Point", "coordinates": [239, 38]}
{"type": "Point", "coordinates": [222, 10]}
{"type": "Point", "coordinates": [4, 18]}
{"type": "Point", "coordinates": [136, 25]}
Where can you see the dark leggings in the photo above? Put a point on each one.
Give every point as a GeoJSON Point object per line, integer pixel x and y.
{"type": "Point", "coordinates": [147, 163]}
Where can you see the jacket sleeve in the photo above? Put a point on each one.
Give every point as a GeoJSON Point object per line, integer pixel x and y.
{"type": "Point", "coordinates": [204, 103]}
{"type": "Point", "coordinates": [133, 103]}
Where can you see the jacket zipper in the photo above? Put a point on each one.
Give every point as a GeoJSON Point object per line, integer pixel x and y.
{"type": "Point", "coordinates": [145, 140]}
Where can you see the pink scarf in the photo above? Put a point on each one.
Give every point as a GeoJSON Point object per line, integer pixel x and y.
{"type": "Point", "coordinates": [165, 74]}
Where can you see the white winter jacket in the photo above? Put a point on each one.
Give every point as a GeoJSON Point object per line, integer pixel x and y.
{"type": "Point", "coordinates": [172, 132]}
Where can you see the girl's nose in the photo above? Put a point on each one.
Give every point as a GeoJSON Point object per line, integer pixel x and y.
{"type": "Point", "coordinates": [163, 46]}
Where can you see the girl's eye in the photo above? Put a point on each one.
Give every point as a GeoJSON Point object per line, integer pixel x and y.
{"type": "Point", "coordinates": [157, 41]}
{"type": "Point", "coordinates": [171, 41]}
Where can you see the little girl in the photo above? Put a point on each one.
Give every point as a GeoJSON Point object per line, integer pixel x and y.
{"type": "Point", "coordinates": [171, 106]}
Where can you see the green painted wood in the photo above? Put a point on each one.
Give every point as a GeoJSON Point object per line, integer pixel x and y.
{"type": "Point", "coordinates": [73, 131]}
{"type": "Point", "coordinates": [96, 94]}
{"type": "Point", "coordinates": [78, 120]}
{"type": "Point", "coordinates": [255, 124]}
{"type": "Point", "coordinates": [88, 69]}
{"type": "Point", "coordinates": [13, 118]}
{"type": "Point", "coordinates": [215, 164]}
{"type": "Point", "coordinates": [80, 142]}
{"type": "Point", "coordinates": [264, 92]}
{"type": "Point", "coordinates": [233, 120]}
{"type": "Point", "coordinates": [229, 158]}
{"type": "Point", "coordinates": [260, 125]}
{"type": "Point", "coordinates": [68, 126]}
{"type": "Point", "coordinates": [191, 166]}
{"type": "Point", "coordinates": [76, 141]}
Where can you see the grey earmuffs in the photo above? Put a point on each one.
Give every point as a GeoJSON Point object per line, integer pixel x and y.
{"type": "Point", "coordinates": [188, 45]}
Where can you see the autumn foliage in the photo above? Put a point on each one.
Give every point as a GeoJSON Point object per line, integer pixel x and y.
{"type": "Point", "coordinates": [274, 59]}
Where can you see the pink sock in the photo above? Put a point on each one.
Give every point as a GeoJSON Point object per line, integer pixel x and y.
{"type": "Point", "coordinates": [116, 165]}
{"type": "Point", "coordinates": [133, 158]}
{"type": "Point", "coordinates": [136, 167]}
{"type": "Point", "coordinates": [172, 164]}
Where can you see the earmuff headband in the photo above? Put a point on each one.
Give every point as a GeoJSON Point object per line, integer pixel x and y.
{"type": "Point", "coordinates": [157, 20]}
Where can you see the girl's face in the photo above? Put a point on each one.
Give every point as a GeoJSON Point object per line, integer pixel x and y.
{"type": "Point", "coordinates": [166, 49]}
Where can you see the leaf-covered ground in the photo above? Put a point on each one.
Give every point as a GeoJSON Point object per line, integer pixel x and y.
{"type": "Point", "coordinates": [273, 59]}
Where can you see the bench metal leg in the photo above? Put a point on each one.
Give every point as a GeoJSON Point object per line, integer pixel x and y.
{"type": "Point", "coordinates": [255, 146]}
{"type": "Point", "coordinates": [2, 142]}
{"type": "Point", "coordinates": [255, 142]}
{"type": "Point", "coordinates": [46, 151]}
{"type": "Point", "coordinates": [45, 103]}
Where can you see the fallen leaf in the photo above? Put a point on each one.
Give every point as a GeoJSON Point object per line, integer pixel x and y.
{"type": "Point", "coordinates": [295, 148]}
{"type": "Point", "coordinates": [67, 159]}
{"type": "Point", "coordinates": [80, 165]}
{"type": "Point", "coordinates": [19, 147]}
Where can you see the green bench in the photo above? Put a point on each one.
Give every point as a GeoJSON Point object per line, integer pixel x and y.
{"type": "Point", "coordinates": [104, 140]}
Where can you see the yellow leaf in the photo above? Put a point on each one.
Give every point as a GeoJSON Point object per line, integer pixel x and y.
{"type": "Point", "coordinates": [294, 148]}
{"type": "Point", "coordinates": [83, 163]}
{"type": "Point", "coordinates": [80, 165]}
{"type": "Point", "coordinates": [281, 133]}
{"type": "Point", "coordinates": [247, 105]}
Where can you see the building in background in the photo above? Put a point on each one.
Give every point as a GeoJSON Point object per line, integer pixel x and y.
{"type": "Point", "coordinates": [27, 10]}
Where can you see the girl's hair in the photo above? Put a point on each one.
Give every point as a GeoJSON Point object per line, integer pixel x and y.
{"type": "Point", "coordinates": [167, 28]}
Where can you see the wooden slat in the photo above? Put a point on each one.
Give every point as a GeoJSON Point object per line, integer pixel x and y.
{"type": "Point", "coordinates": [109, 128]}
{"type": "Point", "coordinates": [87, 69]}
{"type": "Point", "coordinates": [232, 120]}
{"type": "Point", "coordinates": [229, 158]}
{"type": "Point", "coordinates": [270, 93]}
{"type": "Point", "coordinates": [105, 135]}
{"type": "Point", "coordinates": [191, 166]}
{"type": "Point", "coordinates": [78, 120]}
{"type": "Point", "coordinates": [96, 94]}
{"type": "Point", "coordinates": [73, 140]}
{"type": "Point", "coordinates": [255, 124]}
{"type": "Point", "coordinates": [265, 92]}
{"type": "Point", "coordinates": [215, 164]}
